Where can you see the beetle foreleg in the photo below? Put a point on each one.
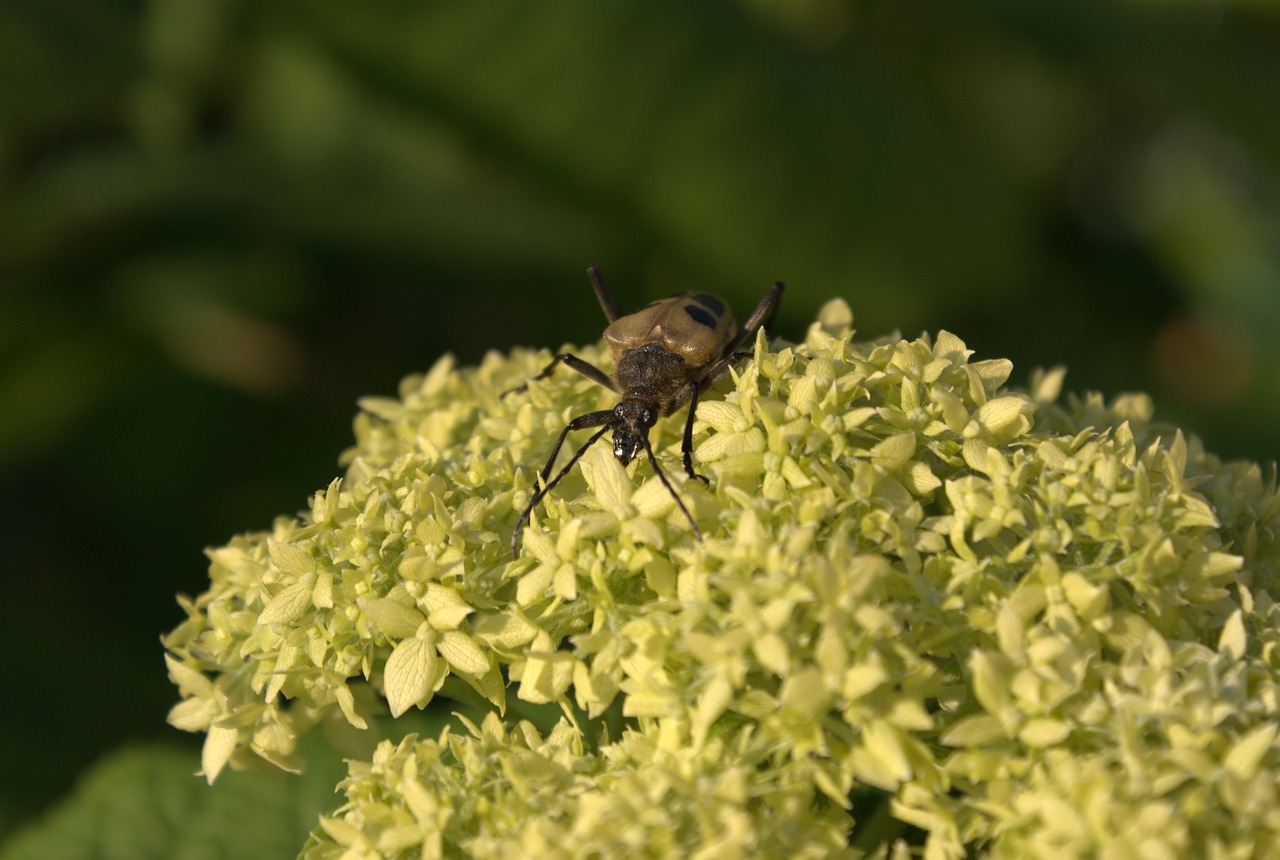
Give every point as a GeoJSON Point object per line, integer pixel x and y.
{"type": "Point", "coordinates": [586, 368]}
{"type": "Point", "coordinates": [653, 461]}
{"type": "Point", "coordinates": [686, 445]}
{"type": "Point", "coordinates": [541, 493]}
{"type": "Point", "coordinates": [591, 419]}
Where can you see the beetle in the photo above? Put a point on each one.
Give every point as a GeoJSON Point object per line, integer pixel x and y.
{"type": "Point", "coordinates": [664, 355]}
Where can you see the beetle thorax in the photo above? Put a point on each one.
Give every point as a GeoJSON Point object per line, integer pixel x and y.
{"type": "Point", "coordinates": [653, 374]}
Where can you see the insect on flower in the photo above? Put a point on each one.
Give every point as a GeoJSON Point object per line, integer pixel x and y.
{"type": "Point", "coordinates": [665, 355]}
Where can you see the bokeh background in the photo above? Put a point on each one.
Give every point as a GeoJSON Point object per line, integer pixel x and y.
{"type": "Point", "coordinates": [222, 221]}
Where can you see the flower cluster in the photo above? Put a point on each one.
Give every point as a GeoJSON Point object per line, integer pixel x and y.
{"type": "Point", "coordinates": [1039, 628]}
{"type": "Point", "coordinates": [498, 794]}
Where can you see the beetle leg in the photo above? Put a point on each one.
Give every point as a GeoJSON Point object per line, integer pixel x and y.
{"type": "Point", "coordinates": [686, 446]}
{"type": "Point", "coordinates": [591, 419]}
{"type": "Point", "coordinates": [542, 492]}
{"type": "Point", "coordinates": [720, 368]}
{"type": "Point", "coordinates": [653, 461]}
{"type": "Point", "coordinates": [765, 309]}
{"type": "Point", "coordinates": [586, 368]}
{"type": "Point", "coordinates": [767, 306]}
{"type": "Point", "coordinates": [605, 298]}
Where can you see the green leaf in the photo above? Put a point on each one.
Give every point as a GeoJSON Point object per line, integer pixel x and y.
{"type": "Point", "coordinates": [143, 803]}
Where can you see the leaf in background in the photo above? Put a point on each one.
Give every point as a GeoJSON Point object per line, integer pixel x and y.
{"type": "Point", "coordinates": [144, 803]}
{"type": "Point", "coordinates": [700, 133]}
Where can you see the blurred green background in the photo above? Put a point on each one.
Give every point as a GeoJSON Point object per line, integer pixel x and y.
{"type": "Point", "coordinates": [222, 222]}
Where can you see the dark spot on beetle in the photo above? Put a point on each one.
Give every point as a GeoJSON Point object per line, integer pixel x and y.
{"type": "Point", "coordinates": [700, 316]}
{"type": "Point", "coordinates": [709, 302]}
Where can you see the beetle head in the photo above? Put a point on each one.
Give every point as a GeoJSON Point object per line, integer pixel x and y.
{"type": "Point", "coordinates": [631, 422]}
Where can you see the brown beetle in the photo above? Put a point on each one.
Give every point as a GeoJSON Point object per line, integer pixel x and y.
{"type": "Point", "coordinates": [665, 355]}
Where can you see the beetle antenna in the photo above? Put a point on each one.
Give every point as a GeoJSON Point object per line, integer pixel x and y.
{"type": "Point", "coordinates": [542, 492]}
{"type": "Point", "coordinates": [648, 449]}
{"type": "Point", "coordinates": [607, 304]}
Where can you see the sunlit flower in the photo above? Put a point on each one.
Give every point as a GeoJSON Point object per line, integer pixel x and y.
{"type": "Point", "coordinates": [1029, 628]}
